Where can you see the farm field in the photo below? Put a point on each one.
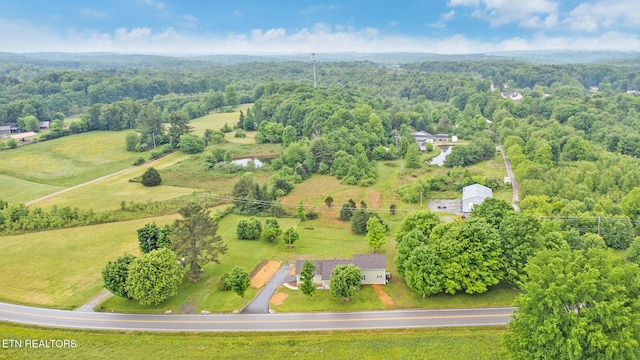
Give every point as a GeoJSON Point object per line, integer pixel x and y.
{"type": "Point", "coordinates": [216, 120]}
{"type": "Point", "coordinates": [69, 160]}
{"type": "Point", "coordinates": [18, 190]}
{"type": "Point", "coordinates": [62, 268]}
{"type": "Point", "coordinates": [450, 343]}
{"type": "Point", "coordinates": [107, 194]}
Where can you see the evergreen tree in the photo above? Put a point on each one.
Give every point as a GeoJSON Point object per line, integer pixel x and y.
{"type": "Point", "coordinates": [194, 238]}
{"type": "Point", "coordinates": [151, 177]}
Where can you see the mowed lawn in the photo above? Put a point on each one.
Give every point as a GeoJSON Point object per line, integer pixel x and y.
{"type": "Point", "coordinates": [19, 191]}
{"type": "Point", "coordinates": [444, 343]}
{"type": "Point", "coordinates": [107, 194]}
{"type": "Point", "coordinates": [62, 268]}
{"type": "Point", "coordinates": [318, 239]}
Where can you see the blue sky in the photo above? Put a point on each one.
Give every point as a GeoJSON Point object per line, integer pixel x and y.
{"type": "Point", "coordinates": [263, 27]}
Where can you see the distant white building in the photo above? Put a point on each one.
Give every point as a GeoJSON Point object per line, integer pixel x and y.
{"type": "Point", "coordinates": [474, 195]}
{"type": "Point", "coordinates": [511, 95]}
{"type": "Point", "coordinates": [422, 138]}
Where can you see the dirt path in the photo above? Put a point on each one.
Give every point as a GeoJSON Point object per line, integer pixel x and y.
{"type": "Point", "coordinates": [384, 297]}
{"type": "Point", "coordinates": [264, 273]}
{"type": "Point", "coordinates": [88, 307]}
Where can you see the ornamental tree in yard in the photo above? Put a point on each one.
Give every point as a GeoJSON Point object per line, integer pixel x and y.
{"type": "Point", "coordinates": [307, 286]}
{"type": "Point", "coordinates": [239, 280]}
{"type": "Point", "coordinates": [577, 305]}
{"type": "Point", "coordinates": [290, 236]}
{"type": "Point", "coordinates": [375, 233]}
{"type": "Point", "coordinates": [345, 281]}
{"type": "Point", "coordinates": [154, 277]}
{"type": "Point", "coordinates": [271, 231]}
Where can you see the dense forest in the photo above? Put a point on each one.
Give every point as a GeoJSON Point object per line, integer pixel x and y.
{"type": "Point", "coordinates": [573, 138]}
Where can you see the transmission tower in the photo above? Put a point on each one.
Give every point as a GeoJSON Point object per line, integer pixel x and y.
{"type": "Point", "coordinates": [313, 60]}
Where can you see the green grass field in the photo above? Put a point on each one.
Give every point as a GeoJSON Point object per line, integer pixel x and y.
{"type": "Point", "coordinates": [216, 120]}
{"type": "Point", "coordinates": [444, 343]}
{"type": "Point", "coordinates": [19, 191]}
{"type": "Point", "coordinates": [107, 194]}
{"type": "Point", "coordinates": [69, 160]}
{"type": "Point", "coordinates": [62, 268]}
{"type": "Point", "coordinates": [334, 240]}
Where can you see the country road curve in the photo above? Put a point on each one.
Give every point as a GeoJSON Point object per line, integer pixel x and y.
{"type": "Point", "coordinates": [393, 319]}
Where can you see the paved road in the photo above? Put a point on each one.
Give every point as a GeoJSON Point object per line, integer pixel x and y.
{"type": "Point", "coordinates": [514, 183]}
{"type": "Point", "coordinates": [256, 322]}
{"type": "Point", "coordinates": [260, 305]}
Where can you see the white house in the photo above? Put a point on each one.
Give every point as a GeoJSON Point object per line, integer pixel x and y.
{"type": "Point", "coordinates": [423, 138]}
{"type": "Point", "coordinates": [372, 266]}
{"type": "Point", "coordinates": [511, 95]}
{"type": "Point", "coordinates": [474, 195]}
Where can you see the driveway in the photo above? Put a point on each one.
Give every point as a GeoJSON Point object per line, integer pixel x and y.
{"type": "Point", "coordinates": [260, 305]}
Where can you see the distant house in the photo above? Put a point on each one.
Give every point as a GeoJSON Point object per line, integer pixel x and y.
{"type": "Point", "coordinates": [422, 138]}
{"type": "Point", "coordinates": [44, 125]}
{"type": "Point", "coordinates": [5, 130]}
{"type": "Point", "coordinates": [24, 136]}
{"type": "Point", "coordinates": [474, 195]}
{"type": "Point", "coordinates": [372, 266]}
{"type": "Point", "coordinates": [442, 138]}
{"type": "Point", "coordinates": [511, 95]}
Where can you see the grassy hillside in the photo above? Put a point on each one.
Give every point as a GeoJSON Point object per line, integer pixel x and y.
{"type": "Point", "coordinates": [62, 268]}
{"type": "Point", "coordinates": [69, 160]}
{"type": "Point", "coordinates": [18, 190]}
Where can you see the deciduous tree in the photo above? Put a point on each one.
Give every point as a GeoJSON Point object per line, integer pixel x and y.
{"type": "Point", "coordinates": [154, 277]}
{"type": "Point", "coordinates": [307, 285]}
{"type": "Point", "coordinates": [469, 253]}
{"type": "Point", "coordinates": [577, 305]}
{"type": "Point", "coordinates": [345, 281]}
{"type": "Point", "coordinates": [375, 233]}
{"type": "Point", "coordinates": [422, 273]}
{"type": "Point", "coordinates": [290, 236]}
{"type": "Point", "coordinates": [271, 231]}
{"type": "Point", "coordinates": [239, 280]}
{"type": "Point", "coordinates": [115, 274]}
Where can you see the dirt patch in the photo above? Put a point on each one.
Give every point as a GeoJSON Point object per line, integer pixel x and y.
{"type": "Point", "coordinates": [188, 308]}
{"type": "Point", "coordinates": [262, 273]}
{"type": "Point", "coordinates": [278, 299]}
{"type": "Point", "coordinates": [386, 299]}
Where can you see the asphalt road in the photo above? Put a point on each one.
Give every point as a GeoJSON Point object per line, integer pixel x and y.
{"type": "Point", "coordinates": [256, 322]}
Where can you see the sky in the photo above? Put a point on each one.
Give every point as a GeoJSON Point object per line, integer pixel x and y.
{"type": "Point", "coordinates": [295, 27]}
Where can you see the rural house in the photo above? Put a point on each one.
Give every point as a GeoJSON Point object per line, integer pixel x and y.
{"type": "Point", "coordinates": [372, 266]}
{"type": "Point", "coordinates": [423, 138]}
{"type": "Point", "coordinates": [511, 95]}
{"type": "Point", "coordinates": [474, 195]}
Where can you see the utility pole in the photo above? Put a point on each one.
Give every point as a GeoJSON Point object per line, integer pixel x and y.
{"type": "Point", "coordinates": [313, 60]}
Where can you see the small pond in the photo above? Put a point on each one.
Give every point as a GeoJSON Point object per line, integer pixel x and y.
{"type": "Point", "coordinates": [245, 162]}
{"type": "Point", "coordinates": [439, 160]}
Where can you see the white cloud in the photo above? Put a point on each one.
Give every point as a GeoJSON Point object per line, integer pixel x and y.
{"type": "Point", "coordinates": [592, 16]}
{"type": "Point", "coordinates": [500, 12]}
{"type": "Point", "coordinates": [463, 3]}
{"type": "Point", "coordinates": [320, 38]}
{"type": "Point", "coordinates": [448, 16]}
{"type": "Point", "coordinates": [152, 3]}
{"type": "Point", "coordinates": [93, 14]}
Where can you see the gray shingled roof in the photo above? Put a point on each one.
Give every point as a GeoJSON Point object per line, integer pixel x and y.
{"type": "Point", "coordinates": [363, 261]}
